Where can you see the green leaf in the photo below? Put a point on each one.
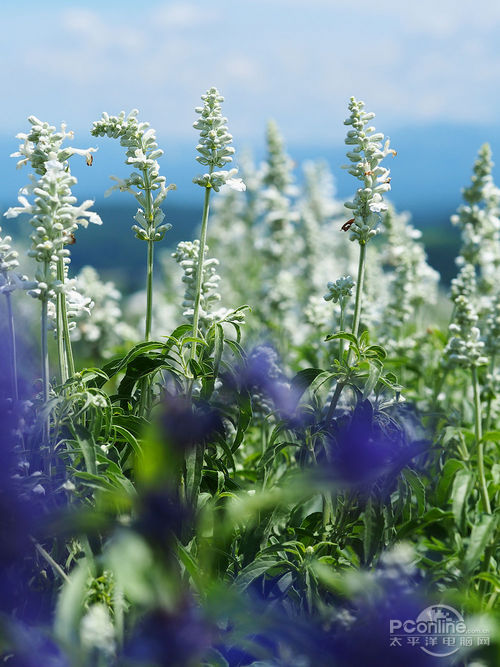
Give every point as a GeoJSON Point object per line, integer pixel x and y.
{"type": "Point", "coordinates": [462, 486]}
{"type": "Point", "coordinates": [491, 578]}
{"type": "Point", "coordinates": [480, 535]}
{"type": "Point", "coordinates": [446, 477]}
{"type": "Point", "coordinates": [434, 515]}
{"type": "Point", "coordinates": [194, 466]}
{"type": "Point", "coordinates": [215, 659]}
{"type": "Point", "coordinates": [256, 570]}
{"type": "Point", "coordinates": [272, 452]}
{"type": "Point", "coordinates": [344, 335]}
{"type": "Point", "coordinates": [373, 521]}
{"type": "Point", "coordinates": [191, 566]}
{"type": "Point", "coordinates": [116, 365]}
{"type": "Point", "coordinates": [70, 606]}
{"type": "Point", "coordinates": [218, 347]}
{"type": "Point", "coordinates": [86, 442]}
{"type": "Point", "coordinates": [244, 419]}
{"type": "Point", "coordinates": [303, 380]}
{"type": "Point", "coordinates": [376, 351]}
{"type": "Point", "coordinates": [123, 434]}
{"type": "Point", "coordinates": [491, 436]}
{"type": "Point", "coordinates": [417, 487]}
{"type": "Point", "coordinates": [373, 378]}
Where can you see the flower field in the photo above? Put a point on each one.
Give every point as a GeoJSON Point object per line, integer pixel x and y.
{"type": "Point", "coordinates": [284, 451]}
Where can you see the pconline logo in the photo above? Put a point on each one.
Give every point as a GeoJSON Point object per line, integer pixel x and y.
{"type": "Point", "coordinates": [439, 630]}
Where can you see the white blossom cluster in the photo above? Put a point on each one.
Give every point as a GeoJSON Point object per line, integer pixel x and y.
{"type": "Point", "coordinates": [54, 218]}
{"type": "Point", "coordinates": [44, 144]}
{"type": "Point", "coordinates": [9, 279]}
{"type": "Point", "coordinates": [479, 223]}
{"type": "Point", "coordinates": [465, 347]}
{"type": "Point", "coordinates": [340, 290]}
{"type": "Point", "coordinates": [277, 238]}
{"type": "Point", "coordinates": [8, 257]}
{"type": "Point", "coordinates": [368, 150]}
{"type": "Point", "coordinates": [102, 327]}
{"type": "Point", "coordinates": [77, 304]}
{"type": "Point", "coordinates": [278, 215]}
{"type": "Point", "coordinates": [186, 255]}
{"type": "Point", "coordinates": [97, 632]}
{"type": "Point", "coordinates": [277, 170]}
{"type": "Point", "coordinates": [232, 234]}
{"type": "Point", "coordinates": [268, 240]}
{"type": "Point", "coordinates": [316, 315]}
{"type": "Point", "coordinates": [492, 328]}
{"type": "Point", "coordinates": [214, 148]}
{"type": "Point", "coordinates": [317, 207]}
{"type": "Point", "coordinates": [142, 153]}
{"type": "Point", "coordinates": [413, 281]}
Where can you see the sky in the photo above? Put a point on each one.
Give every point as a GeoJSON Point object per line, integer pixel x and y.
{"type": "Point", "coordinates": [416, 64]}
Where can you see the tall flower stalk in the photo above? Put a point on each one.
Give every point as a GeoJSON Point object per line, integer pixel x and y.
{"type": "Point", "coordinates": [465, 349]}
{"type": "Point", "coordinates": [54, 218]}
{"type": "Point", "coordinates": [146, 184]}
{"type": "Point", "coordinates": [214, 151]}
{"type": "Point", "coordinates": [369, 148]}
{"type": "Point", "coordinates": [10, 281]}
{"type": "Point", "coordinates": [340, 292]}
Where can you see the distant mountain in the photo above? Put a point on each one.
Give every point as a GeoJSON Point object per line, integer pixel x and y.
{"type": "Point", "coordinates": [432, 165]}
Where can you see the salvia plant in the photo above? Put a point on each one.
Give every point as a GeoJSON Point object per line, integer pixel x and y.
{"type": "Point", "coordinates": [146, 184]}
{"type": "Point", "coordinates": [54, 218]}
{"type": "Point", "coordinates": [265, 484]}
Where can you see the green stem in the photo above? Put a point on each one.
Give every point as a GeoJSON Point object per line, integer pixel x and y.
{"type": "Point", "coordinates": [479, 441]}
{"type": "Point", "coordinates": [341, 341]}
{"type": "Point", "coordinates": [68, 364]}
{"type": "Point", "coordinates": [334, 401]}
{"type": "Point", "coordinates": [45, 353]}
{"type": "Point", "coordinates": [13, 355]}
{"type": "Point", "coordinates": [359, 288]}
{"type": "Point", "coordinates": [145, 384]}
{"type": "Point", "coordinates": [199, 268]}
{"type": "Point", "coordinates": [488, 405]}
{"type": "Point", "coordinates": [45, 367]}
{"type": "Point", "coordinates": [149, 280]}
{"type": "Point", "coordinates": [55, 566]}
{"type": "Point", "coordinates": [63, 369]}
{"type": "Point", "coordinates": [149, 290]}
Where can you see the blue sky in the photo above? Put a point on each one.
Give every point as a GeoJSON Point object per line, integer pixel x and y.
{"type": "Point", "coordinates": [298, 61]}
{"type": "Point", "coordinates": [295, 60]}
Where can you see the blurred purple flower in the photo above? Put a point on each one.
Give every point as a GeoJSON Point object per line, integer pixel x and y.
{"type": "Point", "coordinates": [187, 423]}
{"type": "Point", "coordinates": [365, 446]}
{"type": "Point", "coordinates": [29, 647]}
{"type": "Point", "coordinates": [22, 508]}
{"type": "Point", "coordinates": [363, 637]}
{"type": "Point", "coordinates": [161, 517]}
{"type": "Point", "coordinates": [356, 633]}
{"type": "Point", "coordinates": [262, 377]}
{"type": "Point", "coordinates": [164, 638]}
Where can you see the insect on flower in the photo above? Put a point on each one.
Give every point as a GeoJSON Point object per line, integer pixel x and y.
{"type": "Point", "coordinates": [347, 225]}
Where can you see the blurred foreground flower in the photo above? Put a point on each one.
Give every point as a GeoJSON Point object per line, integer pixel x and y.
{"type": "Point", "coordinates": [169, 638]}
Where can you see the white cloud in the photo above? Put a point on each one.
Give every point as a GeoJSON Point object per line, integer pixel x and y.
{"type": "Point", "coordinates": [183, 14]}
{"type": "Point", "coordinates": [409, 61]}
